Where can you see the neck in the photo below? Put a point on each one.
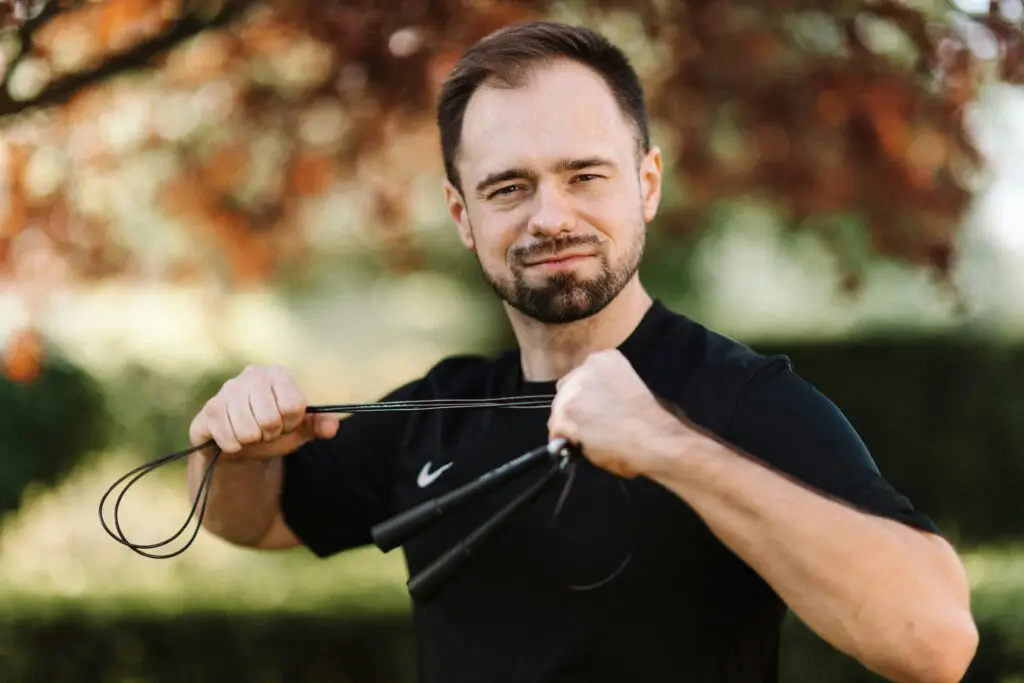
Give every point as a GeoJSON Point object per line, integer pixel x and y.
{"type": "Point", "coordinates": [550, 351]}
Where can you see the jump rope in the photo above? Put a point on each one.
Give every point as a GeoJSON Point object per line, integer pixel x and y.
{"type": "Point", "coordinates": [561, 457]}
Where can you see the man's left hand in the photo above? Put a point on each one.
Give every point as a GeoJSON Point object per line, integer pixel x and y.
{"type": "Point", "coordinates": [606, 409]}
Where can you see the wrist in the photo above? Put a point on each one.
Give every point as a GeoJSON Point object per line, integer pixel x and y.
{"type": "Point", "coordinates": [670, 445]}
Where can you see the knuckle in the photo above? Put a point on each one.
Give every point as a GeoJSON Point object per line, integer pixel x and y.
{"type": "Point", "coordinates": [212, 408]}
{"type": "Point", "coordinates": [291, 405]}
{"type": "Point", "coordinates": [271, 425]}
{"type": "Point", "coordinates": [572, 392]}
{"type": "Point", "coordinates": [230, 448]}
{"type": "Point", "coordinates": [252, 374]}
{"type": "Point", "coordinates": [248, 436]}
{"type": "Point", "coordinates": [280, 377]}
{"type": "Point", "coordinates": [278, 371]}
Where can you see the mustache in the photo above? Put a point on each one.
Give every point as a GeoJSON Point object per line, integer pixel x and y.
{"type": "Point", "coordinates": [551, 247]}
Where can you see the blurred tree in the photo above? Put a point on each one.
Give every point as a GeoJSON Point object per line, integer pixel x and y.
{"type": "Point", "coordinates": [172, 139]}
{"type": "Point", "coordinates": [47, 426]}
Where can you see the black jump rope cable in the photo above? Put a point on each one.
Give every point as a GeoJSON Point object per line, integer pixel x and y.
{"type": "Point", "coordinates": [395, 531]}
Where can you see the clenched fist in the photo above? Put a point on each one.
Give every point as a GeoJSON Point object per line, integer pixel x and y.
{"type": "Point", "coordinates": [261, 413]}
{"type": "Point", "coordinates": [605, 408]}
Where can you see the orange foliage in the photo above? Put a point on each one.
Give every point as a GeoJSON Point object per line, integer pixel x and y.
{"type": "Point", "coordinates": [820, 133]}
{"type": "Point", "coordinates": [225, 168]}
{"type": "Point", "coordinates": [22, 356]}
{"type": "Point", "coordinates": [121, 23]}
{"type": "Point", "coordinates": [311, 174]}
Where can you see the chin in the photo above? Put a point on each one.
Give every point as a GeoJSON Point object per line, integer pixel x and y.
{"type": "Point", "coordinates": [572, 293]}
{"type": "Point", "coordinates": [560, 303]}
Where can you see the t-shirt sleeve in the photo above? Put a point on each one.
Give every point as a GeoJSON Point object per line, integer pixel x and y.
{"type": "Point", "coordinates": [785, 422]}
{"type": "Point", "coordinates": [335, 490]}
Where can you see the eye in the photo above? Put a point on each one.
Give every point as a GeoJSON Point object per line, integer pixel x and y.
{"type": "Point", "coordinates": [586, 176]}
{"type": "Point", "coordinates": [503, 191]}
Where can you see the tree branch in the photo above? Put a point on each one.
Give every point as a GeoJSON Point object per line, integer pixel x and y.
{"type": "Point", "coordinates": [135, 58]}
{"type": "Point", "coordinates": [26, 32]}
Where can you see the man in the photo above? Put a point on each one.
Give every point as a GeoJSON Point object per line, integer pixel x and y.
{"type": "Point", "coordinates": [735, 488]}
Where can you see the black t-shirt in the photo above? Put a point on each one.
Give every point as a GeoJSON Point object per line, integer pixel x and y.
{"type": "Point", "coordinates": [684, 608]}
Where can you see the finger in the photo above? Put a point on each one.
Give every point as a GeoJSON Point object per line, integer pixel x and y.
{"type": "Point", "coordinates": [325, 426]}
{"type": "Point", "coordinates": [243, 422]}
{"type": "Point", "coordinates": [568, 394]}
{"type": "Point", "coordinates": [268, 419]}
{"type": "Point", "coordinates": [315, 427]}
{"type": "Point", "coordinates": [264, 408]}
{"type": "Point", "coordinates": [561, 427]}
{"type": "Point", "coordinates": [291, 404]}
{"type": "Point", "coordinates": [563, 431]}
{"type": "Point", "coordinates": [199, 430]}
{"type": "Point", "coordinates": [220, 427]}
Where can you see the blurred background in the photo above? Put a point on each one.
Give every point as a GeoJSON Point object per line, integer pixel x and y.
{"type": "Point", "coordinates": [187, 187]}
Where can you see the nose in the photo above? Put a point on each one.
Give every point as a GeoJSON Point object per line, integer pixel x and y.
{"type": "Point", "coordinates": [552, 215]}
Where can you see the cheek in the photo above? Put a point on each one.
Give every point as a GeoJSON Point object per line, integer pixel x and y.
{"type": "Point", "coordinates": [495, 235]}
{"type": "Point", "coordinates": [619, 223]}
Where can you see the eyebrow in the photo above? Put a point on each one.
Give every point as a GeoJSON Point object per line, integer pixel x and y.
{"type": "Point", "coordinates": [560, 166]}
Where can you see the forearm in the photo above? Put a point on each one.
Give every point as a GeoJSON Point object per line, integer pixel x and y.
{"type": "Point", "coordinates": [243, 496]}
{"type": "Point", "coordinates": [890, 596]}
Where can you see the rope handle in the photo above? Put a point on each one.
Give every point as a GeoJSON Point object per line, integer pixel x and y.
{"type": "Point", "coordinates": [117, 533]}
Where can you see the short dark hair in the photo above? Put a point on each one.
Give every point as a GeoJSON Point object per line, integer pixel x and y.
{"type": "Point", "coordinates": [507, 57]}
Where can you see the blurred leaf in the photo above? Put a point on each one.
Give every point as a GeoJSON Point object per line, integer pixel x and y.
{"type": "Point", "coordinates": [22, 356]}
{"type": "Point", "coordinates": [232, 121]}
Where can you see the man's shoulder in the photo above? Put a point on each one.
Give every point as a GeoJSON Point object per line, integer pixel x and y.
{"type": "Point", "coordinates": [723, 354]}
{"type": "Point", "coordinates": [714, 354]}
{"type": "Point", "coordinates": [710, 371]}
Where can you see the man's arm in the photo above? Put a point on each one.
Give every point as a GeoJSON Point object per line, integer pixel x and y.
{"type": "Point", "coordinates": [243, 502]}
{"type": "Point", "coordinates": [894, 597]}
{"type": "Point", "coordinates": [257, 419]}
{"type": "Point", "coordinates": [287, 477]}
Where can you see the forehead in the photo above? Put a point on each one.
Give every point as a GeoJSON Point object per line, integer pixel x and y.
{"type": "Point", "coordinates": [564, 110]}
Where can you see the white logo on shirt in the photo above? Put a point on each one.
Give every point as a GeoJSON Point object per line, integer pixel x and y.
{"type": "Point", "coordinates": [426, 477]}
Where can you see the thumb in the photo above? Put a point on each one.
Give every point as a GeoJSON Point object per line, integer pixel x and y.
{"type": "Point", "coordinates": [319, 427]}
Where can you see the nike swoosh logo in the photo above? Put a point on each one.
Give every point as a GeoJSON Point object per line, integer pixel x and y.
{"type": "Point", "coordinates": [426, 477]}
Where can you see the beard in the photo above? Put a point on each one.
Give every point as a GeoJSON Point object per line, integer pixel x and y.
{"type": "Point", "coordinates": [566, 297]}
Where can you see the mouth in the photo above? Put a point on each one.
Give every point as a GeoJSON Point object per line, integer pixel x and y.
{"type": "Point", "coordinates": [560, 260]}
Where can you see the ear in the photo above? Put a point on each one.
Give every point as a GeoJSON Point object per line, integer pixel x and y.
{"type": "Point", "coordinates": [459, 213]}
{"type": "Point", "coordinates": [650, 183]}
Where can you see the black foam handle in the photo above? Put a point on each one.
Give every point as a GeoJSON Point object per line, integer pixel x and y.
{"type": "Point", "coordinates": [395, 531]}
{"type": "Point", "coordinates": [426, 582]}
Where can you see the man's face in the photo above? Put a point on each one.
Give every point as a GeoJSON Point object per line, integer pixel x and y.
{"type": "Point", "coordinates": [554, 202]}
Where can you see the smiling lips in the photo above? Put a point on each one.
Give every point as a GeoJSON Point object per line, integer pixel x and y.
{"type": "Point", "coordinates": [563, 259]}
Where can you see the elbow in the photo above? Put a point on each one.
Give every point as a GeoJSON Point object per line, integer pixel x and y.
{"type": "Point", "coordinates": [946, 639]}
{"type": "Point", "coordinates": [939, 653]}
{"type": "Point", "coordinates": [951, 650]}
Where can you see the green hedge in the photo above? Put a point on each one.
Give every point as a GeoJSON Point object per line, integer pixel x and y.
{"type": "Point", "coordinates": [278, 648]}
{"type": "Point", "coordinates": [206, 648]}
{"type": "Point", "coordinates": [944, 418]}
{"type": "Point", "coordinates": [53, 423]}
{"type": "Point", "coordinates": [46, 427]}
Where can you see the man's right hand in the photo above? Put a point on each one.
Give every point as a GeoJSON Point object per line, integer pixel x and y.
{"type": "Point", "coordinates": [261, 413]}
